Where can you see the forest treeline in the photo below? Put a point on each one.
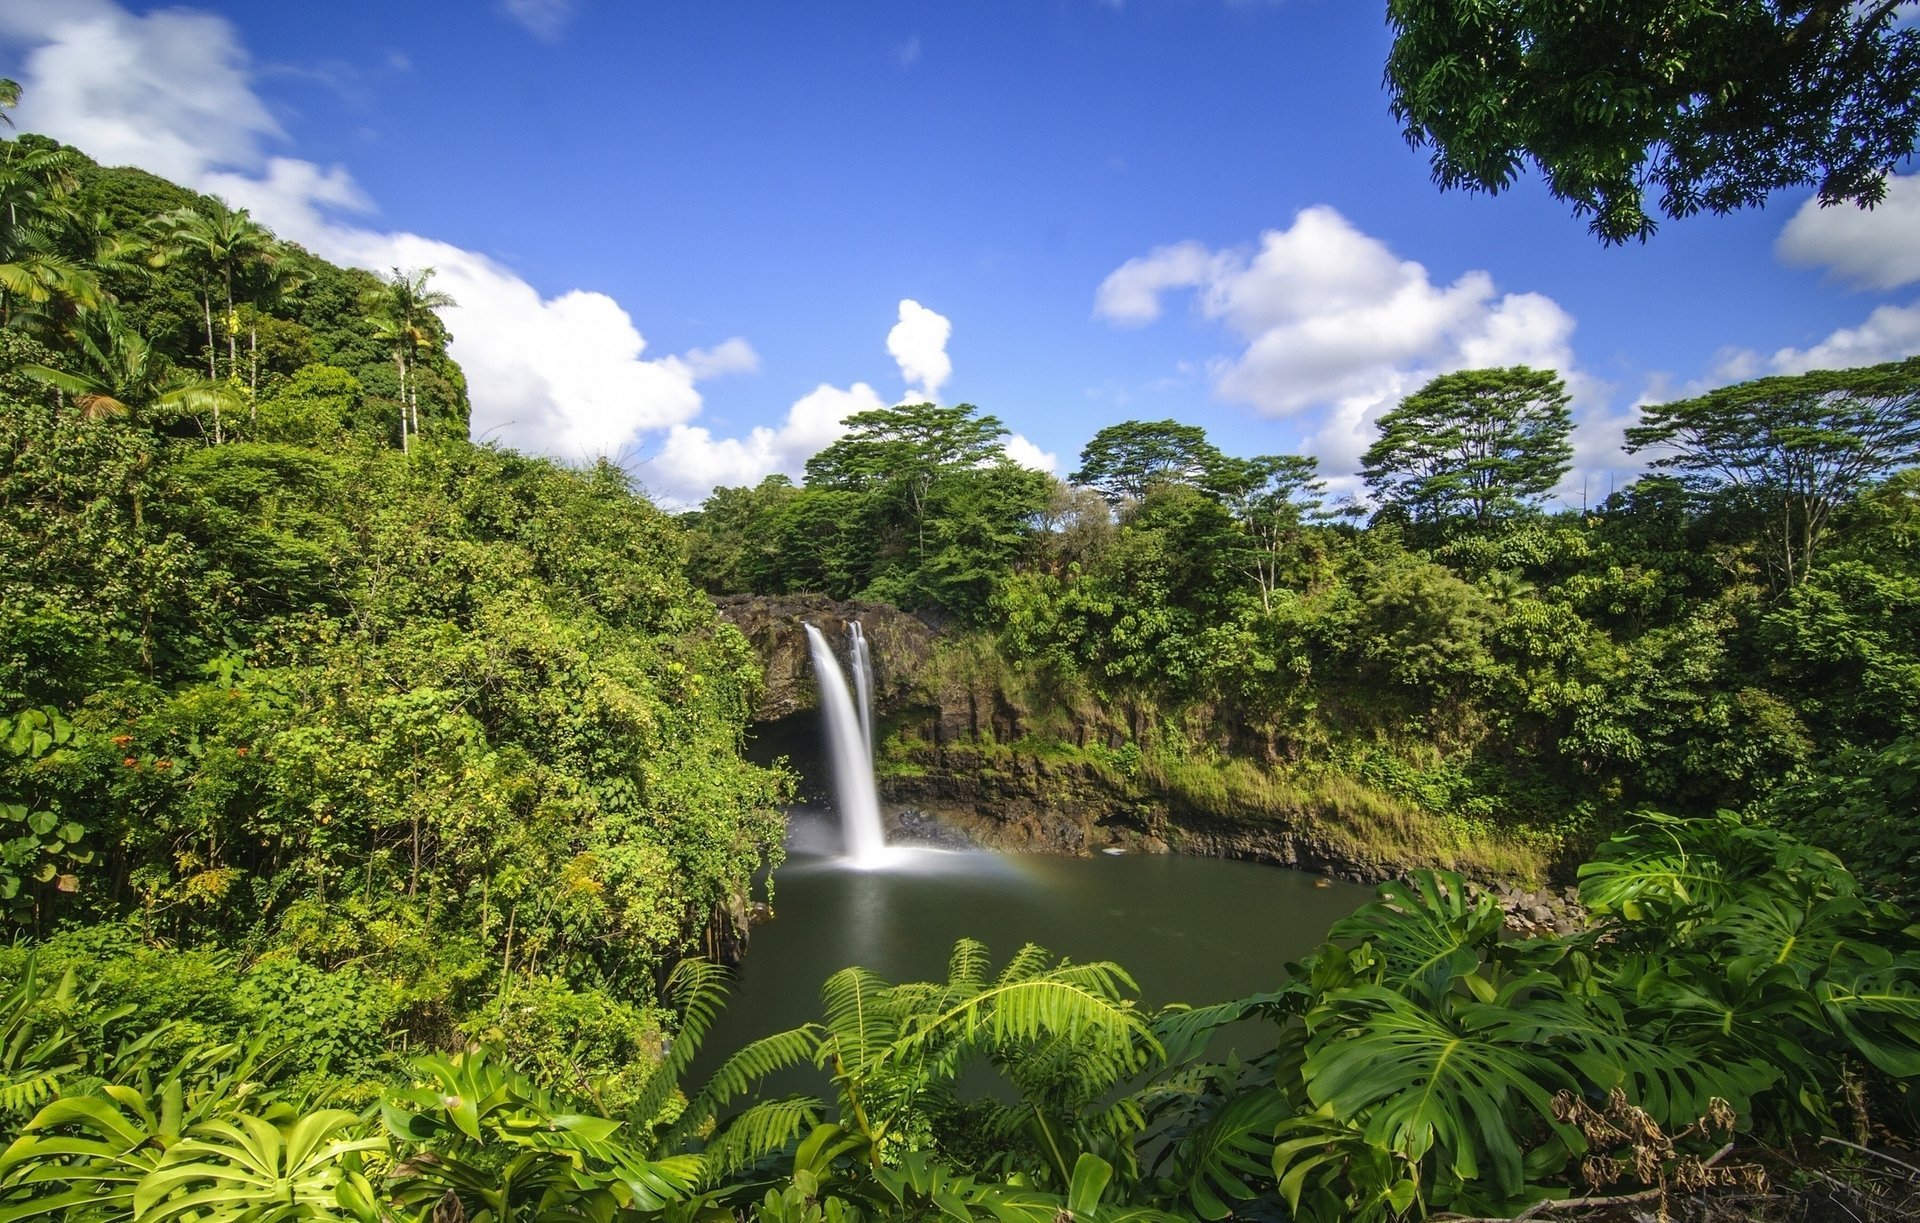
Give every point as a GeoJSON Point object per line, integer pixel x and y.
{"type": "Point", "coordinates": [363, 788]}
{"type": "Point", "coordinates": [1739, 628]}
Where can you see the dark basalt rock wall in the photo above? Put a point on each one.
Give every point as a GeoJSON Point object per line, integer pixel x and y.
{"type": "Point", "coordinates": [900, 644]}
{"type": "Point", "coordinates": [964, 786]}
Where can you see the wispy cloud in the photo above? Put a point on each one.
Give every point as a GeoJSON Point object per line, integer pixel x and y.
{"type": "Point", "coordinates": [544, 19]}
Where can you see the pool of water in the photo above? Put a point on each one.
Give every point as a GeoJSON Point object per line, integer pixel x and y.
{"type": "Point", "coordinates": [1194, 930]}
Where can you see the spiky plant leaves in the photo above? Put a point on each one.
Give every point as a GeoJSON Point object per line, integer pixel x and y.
{"type": "Point", "coordinates": [86, 1154]}
{"type": "Point", "coordinates": [488, 1135]}
{"type": "Point", "coordinates": [254, 1168]}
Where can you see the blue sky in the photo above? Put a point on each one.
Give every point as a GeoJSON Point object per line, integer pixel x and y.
{"type": "Point", "coordinates": [696, 235]}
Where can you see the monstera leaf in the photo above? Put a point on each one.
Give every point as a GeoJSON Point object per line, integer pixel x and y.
{"type": "Point", "coordinates": [1766, 930]}
{"type": "Point", "coordinates": [1214, 1165]}
{"type": "Point", "coordinates": [1879, 1015]}
{"type": "Point", "coordinates": [1466, 1083]}
{"type": "Point", "coordinates": [1426, 931]}
{"type": "Point", "coordinates": [1659, 873]}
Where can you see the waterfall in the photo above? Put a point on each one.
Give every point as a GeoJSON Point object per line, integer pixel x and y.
{"type": "Point", "coordinates": [850, 749]}
{"type": "Point", "coordinates": [862, 680]}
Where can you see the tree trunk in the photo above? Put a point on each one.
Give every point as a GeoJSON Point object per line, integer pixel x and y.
{"type": "Point", "coordinates": [206, 307]}
{"type": "Point", "coordinates": [400, 370]}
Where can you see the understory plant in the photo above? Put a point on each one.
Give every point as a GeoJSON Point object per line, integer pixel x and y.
{"type": "Point", "coordinates": [1733, 986]}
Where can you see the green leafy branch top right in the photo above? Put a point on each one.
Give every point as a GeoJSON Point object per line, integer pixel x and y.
{"type": "Point", "coordinates": [1713, 104]}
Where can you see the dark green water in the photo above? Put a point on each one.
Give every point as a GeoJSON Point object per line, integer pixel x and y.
{"type": "Point", "coordinates": [1194, 930]}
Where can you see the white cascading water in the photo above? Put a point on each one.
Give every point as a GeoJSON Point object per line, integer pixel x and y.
{"type": "Point", "coordinates": [862, 681]}
{"type": "Point", "coordinates": [852, 760]}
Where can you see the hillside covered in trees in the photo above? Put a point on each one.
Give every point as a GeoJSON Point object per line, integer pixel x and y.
{"type": "Point", "coordinates": [365, 788]}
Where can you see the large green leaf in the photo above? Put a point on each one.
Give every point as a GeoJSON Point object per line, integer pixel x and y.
{"type": "Point", "coordinates": [1879, 1015]}
{"type": "Point", "coordinates": [1426, 929]}
{"type": "Point", "coordinates": [1469, 1084]}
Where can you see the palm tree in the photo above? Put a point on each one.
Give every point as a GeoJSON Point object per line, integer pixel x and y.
{"type": "Point", "coordinates": [399, 309]}
{"type": "Point", "coordinates": [33, 214]}
{"type": "Point", "coordinates": [280, 281]}
{"type": "Point", "coordinates": [225, 242]}
{"type": "Point", "coordinates": [123, 376]}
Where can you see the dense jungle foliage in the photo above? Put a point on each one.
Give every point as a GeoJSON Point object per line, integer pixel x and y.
{"type": "Point", "coordinates": [1740, 629]}
{"type": "Point", "coordinates": [401, 740]}
{"type": "Point", "coordinates": [364, 788]}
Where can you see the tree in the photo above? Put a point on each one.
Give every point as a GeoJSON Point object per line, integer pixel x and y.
{"type": "Point", "coordinates": [34, 272]}
{"type": "Point", "coordinates": [1796, 447]}
{"type": "Point", "coordinates": [400, 309]}
{"type": "Point", "coordinates": [1482, 443]}
{"type": "Point", "coordinates": [224, 243]}
{"type": "Point", "coordinates": [1714, 103]}
{"type": "Point", "coordinates": [123, 376]}
{"type": "Point", "coordinates": [1268, 494]}
{"type": "Point", "coordinates": [907, 448]}
{"type": "Point", "coordinates": [1123, 461]}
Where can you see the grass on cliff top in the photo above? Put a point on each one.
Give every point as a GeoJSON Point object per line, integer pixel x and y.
{"type": "Point", "coordinates": [1351, 817]}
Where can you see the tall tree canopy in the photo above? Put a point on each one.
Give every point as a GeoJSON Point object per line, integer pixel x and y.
{"type": "Point", "coordinates": [1796, 447]}
{"type": "Point", "coordinates": [1123, 461]}
{"type": "Point", "coordinates": [1480, 443]}
{"type": "Point", "coordinates": [1711, 103]}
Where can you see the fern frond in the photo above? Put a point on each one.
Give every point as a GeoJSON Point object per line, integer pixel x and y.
{"type": "Point", "coordinates": [760, 1131]}
{"type": "Point", "coordinates": [859, 1022]}
{"type": "Point", "coordinates": [967, 968]}
{"type": "Point", "coordinates": [743, 1071]}
{"type": "Point", "coordinates": [1026, 962]}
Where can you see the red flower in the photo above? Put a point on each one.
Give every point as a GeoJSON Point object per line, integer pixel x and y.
{"type": "Point", "coordinates": [122, 740]}
{"type": "Point", "coordinates": [163, 764]}
{"type": "Point", "coordinates": [239, 751]}
{"type": "Point", "coordinates": [131, 763]}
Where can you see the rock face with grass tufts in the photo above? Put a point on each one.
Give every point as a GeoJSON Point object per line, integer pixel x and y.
{"type": "Point", "coordinates": [1013, 758]}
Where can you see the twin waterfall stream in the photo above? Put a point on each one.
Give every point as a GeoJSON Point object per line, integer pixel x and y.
{"type": "Point", "coordinates": [850, 742]}
{"type": "Point", "coordinates": [1187, 928]}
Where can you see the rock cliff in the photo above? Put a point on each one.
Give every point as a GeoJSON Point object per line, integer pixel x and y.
{"type": "Point", "coordinates": [900, 644]}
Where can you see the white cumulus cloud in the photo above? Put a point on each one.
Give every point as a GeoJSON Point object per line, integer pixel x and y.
{"type": "Point", "coordinates": [567, 374]}
{"type": "Point", "coordinates": [1888, 334]}
{"type": "Point", "coordinates": [169, 91]}
{"type": "Point", "coordinates": [692, 462]}
{"type": "Point", "coordinates": [1875, 248]}
{"type": "Point", "coordinates": [1027, 454]}
{"type": "Point", "coordinates": [918, 343]}
{"type": "Point", "coordinates": [1329, 321]}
